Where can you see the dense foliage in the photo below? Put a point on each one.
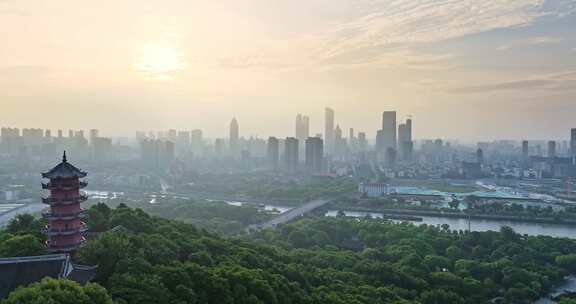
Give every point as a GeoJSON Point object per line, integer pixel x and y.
{"type": "Point", "coordinates": [324, 261]}
{"type": "Point", "coordinates": [211, 215]}
{"type": "Point", "coordinates": [59, 291]}
{"type": "Point", "coordinates": [146, 259]}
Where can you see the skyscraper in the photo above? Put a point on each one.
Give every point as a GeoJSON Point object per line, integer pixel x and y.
{"type": "Point", "coordinates": [273, 153]}
{"type": "Point", "coordinates": [329, 130]}
{"type": "Point", "coordinates": [362, 142]}
{"type": "Point", "coordinates": [234, 138]}
{"type": "Point", "coordinates": [389, 130]}
{"type": "Point", "coordinates": [291, 158]}
{"type": "Point", "coordinates": [551, 148]}
{"type": "Point", "coordinates": [525, 150]}
{"type": "Point", "coordinates": [573, 143]}
{"type": "Point", "coordinates": [314, 154]}
{"type": "Point", "coordinates": [302, 127]}
{"type": "Point", "coordinates": [405, 144]}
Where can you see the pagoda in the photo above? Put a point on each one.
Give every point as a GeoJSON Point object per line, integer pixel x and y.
{"type": "Point", "coordinates": [65, 226]}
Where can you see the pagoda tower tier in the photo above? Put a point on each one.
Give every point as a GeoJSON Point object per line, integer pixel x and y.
{"type": "Point", "coordinates": [65, 226]}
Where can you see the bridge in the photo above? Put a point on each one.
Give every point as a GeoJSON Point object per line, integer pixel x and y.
{"type": "Point", "coordinates": [290, 215]}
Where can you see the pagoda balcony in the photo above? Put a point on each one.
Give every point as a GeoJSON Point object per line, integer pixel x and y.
{"type": "Point", "coordinates": [64, 187]}
{"type": "Point", "coordinates": [66, 247]}
{"type": "Point", "coordinates": [65, 201]}
{"type": "Point", "coordinates": [47, 230]}
{"type": "Point", "coordinates": [64, 216]}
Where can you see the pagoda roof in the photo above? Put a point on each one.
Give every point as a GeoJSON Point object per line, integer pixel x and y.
{"type": "Point", "coordinates": [64, 170]}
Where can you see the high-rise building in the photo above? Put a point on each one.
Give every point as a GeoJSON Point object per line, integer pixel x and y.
{"type": "Point", "coordinates": [389, 139]}
{"type": "Point", "coordinates": [362, 142]}
{"type": "Point", "coordinates": [156, 154]}
{"type": "Point", "coordinates": [197, 141]}
{"type": "Point", "coordinates": [234, 138]}
{"type": "Point", "coordinates": [273, 152]}
{"type": "Point", "coordinates": [405, 144]}
{"type": "Point", "coordinates": [351, 139]}
{"type": "Point", "coordinates": [551, 148]}
{"type": "Point", "coordinates": [305, 126]}
{"type": "Point", "coordinates": [314, 154]}
{"type": "Point", "coordinates": [573, 143]}
{"type": "Point", "coordinates": [93, 135]}
{"type": "Point", "coordinates": [329, 130]}
{"type": "Point", "coordinates": [480, 156]}
{"type": "Point", "coordinates": [525, 150]}
{"type": "Point", "coordinates": [302, 127]}
{"type": "Point", "coordinates": [291, 152]}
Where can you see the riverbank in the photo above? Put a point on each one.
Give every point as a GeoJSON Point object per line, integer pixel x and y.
{"type": "Point", "coordinates": [456, 215]}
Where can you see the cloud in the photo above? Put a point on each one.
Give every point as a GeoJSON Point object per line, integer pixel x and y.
{"type": "Point", "coordinates": [552, 82]}
{"type": "Point", "coordinates": [380, 31]}
{"type": "Point", "coordinates": [531, 42]}
{"type": "Point", "coordinates": [406, 22]}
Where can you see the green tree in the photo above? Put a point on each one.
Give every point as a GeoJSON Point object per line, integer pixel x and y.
{"type": "Point", "coordinates": [567, 262]}
{"type": "Point", "coordinates": [52, 291]}
{"type": "Point", "coordinates": [21, 245]}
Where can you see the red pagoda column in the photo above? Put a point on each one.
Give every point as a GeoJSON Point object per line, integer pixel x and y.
{"type": "Point", "coordinates": [65, 227]}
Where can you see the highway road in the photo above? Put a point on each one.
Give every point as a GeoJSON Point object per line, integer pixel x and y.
{"type": "Point", "coordinates": [291, 214]}
{"type": "Point", "coordinates": [28, 208]}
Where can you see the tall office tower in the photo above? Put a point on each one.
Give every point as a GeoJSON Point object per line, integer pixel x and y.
{"type": "Point", "coordinates": [157, 154]}
{"type": "Point", "coordinates": [234, 138]}
{"type": "Point", "coordinates": [480, 156]}
{"type": "Point", "coordinates": [70, 133]}
{"type": "Point", "coordinates": [302, 127]}
{"type": "Point", "coordinates": [390, 159]}
{"type": "Point", "coordinates": [314, 154]}
{"type": "Point", "coordinates": [48, 134]}
{"type": "Point", "coordinates": [389, 130]}
{"type": "Point", "coordinates": [291, 158]}
{"type": "Point", "coordinates": [273, 152]}
{"type": "Point", "coordinates": [93, 135]}
{"type": "Point", "coordinates": [219, 147]}
{"type": "Point", "coordinates": [340, 147]}
{"type": "Point", "coordinates": [380, 144]}
{"type": "Point", "coordinates": [305, 126]}
{"type": "Point", "coordinates": [172, 135]}
{"type": "Point", "coordinates": [101, 149]}
{"type": "Point", "coordinates": [197, 141]}
{"type": "Point", "coordinates": [329, 130]}
{"type": "Point", "coordinates": [362, 142]}
{"type": "Point", "coordinates": [551, 148]}
{"type": "Point", "coordinates": [573, 144]}
{"type": "Point", "coordinates": [405, 144]}
{"type": "Point", "coordinates": [525, 150]}
{"type": "Point", "coordinates": [298, 125]}
{"type": "Point", "coordinates": [351, 139]}
{"type": "Point", "coordinates": [183, 140]}
{"type": "Point", "coordinates": [59, 133]}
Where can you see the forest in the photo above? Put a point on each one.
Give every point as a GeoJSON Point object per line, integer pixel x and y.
{"type": "Point", "coordinates": [147, 259]}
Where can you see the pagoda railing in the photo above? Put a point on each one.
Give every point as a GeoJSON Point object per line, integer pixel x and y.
{"type": "Point", "coordinates": [47, 230]}
{"type": "Point", "coordinates": [65, 201]}
{"type": "Point", "coordinates": [65, 247]}
{"type": "Point", "coordinates": [65, 187]}
{"type": "Point", "coordinates": [63, 216]}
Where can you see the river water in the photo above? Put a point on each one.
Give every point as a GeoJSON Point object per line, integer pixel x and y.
{"type": "Point", "coordinates": [481, 225]}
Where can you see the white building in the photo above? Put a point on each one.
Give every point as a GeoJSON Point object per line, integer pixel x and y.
{"type": "Point", "coordinates": [373, 189]}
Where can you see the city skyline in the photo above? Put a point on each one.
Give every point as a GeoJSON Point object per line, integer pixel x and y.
{"type": "Point", "coordinates": [463, 69]}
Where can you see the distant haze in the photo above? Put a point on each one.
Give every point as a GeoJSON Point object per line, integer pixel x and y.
{"type": "Point", "coordinates": [463, 69]}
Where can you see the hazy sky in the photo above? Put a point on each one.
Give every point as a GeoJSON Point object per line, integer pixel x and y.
{"type": "Point", "coordinates": [461, 68]}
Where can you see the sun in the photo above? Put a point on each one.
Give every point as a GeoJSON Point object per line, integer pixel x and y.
{"type": "Point", "coordinates": [160, 62]}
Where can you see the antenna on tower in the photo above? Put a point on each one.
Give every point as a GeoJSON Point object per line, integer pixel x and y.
{"type": "Point", "coordinates": [64, 157]}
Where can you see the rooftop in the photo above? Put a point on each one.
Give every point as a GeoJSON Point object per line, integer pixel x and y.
{"type": "Point", "coordinates": [64, 170]}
